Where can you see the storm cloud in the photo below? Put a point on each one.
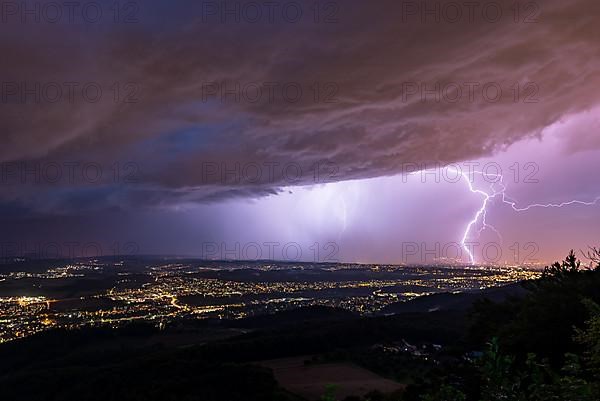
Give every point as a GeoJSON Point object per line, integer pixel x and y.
{"type": "Point", "coordinates": [200, 104]}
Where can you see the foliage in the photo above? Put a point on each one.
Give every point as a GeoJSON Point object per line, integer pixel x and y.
{"type": "Point", "coordinates": [559, 270]}
{"type": "Point", "coordinates": [537, 357]}
{"type": "Point", "coordinates": [541, 323]}
{"type": "Point", "coordinates": [445, 393]}
{"type": "Point", "coordinates": [330, 391]}
{"type": "Point", "coordinates": [590, 336]}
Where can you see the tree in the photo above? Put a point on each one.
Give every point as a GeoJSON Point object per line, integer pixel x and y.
{"type": "Point", "coordinates": [590, 336]}
{"type": "Point", "coordinates": [330, 391]}
{"type": "Point", "coordinates": [593, 255]}
{"type": "Point", "coordinates": [571, 265]}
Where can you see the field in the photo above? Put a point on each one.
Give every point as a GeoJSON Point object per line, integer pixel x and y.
{"type": "Point", "coordinates": [311, 381]}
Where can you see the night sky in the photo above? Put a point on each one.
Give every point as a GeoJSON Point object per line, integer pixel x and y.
{"type": "Point", "coordinates": [213, 128]}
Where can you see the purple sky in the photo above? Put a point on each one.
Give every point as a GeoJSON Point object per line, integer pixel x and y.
{"type": "Point", "coordinates": [183, 155]}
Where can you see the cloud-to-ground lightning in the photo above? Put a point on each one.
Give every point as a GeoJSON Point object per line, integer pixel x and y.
{"type": "Point", "coordinates": [511, 202]}
{"type": "Point", "coordinates": [481, 213]}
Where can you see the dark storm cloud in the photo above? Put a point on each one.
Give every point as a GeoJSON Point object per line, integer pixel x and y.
{"type": "Point", "coordinates": [160, 114]}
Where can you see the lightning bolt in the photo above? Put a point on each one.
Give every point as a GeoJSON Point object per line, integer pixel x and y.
{"type": "Point", "coordinates": [481, 213]}
{"type": "Point", "coordinates": [513, 204]}
{"type": "Point", "coordinates": [487, 197]}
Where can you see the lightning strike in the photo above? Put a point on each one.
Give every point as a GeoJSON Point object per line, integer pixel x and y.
{"type": "Point", "coordinates": [487, 197]}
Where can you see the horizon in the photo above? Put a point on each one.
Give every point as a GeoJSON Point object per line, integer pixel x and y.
{"type": "Point", "coordinates": [434, 263]}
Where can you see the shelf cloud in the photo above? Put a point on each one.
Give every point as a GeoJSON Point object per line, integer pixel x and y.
{"type": "Point", "coordinates": [226, 104]}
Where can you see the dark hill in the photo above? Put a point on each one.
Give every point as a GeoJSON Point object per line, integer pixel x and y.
{"type": "Point", "coordinates": [460, 302]}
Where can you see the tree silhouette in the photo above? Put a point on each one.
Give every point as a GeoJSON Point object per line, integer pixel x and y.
{"type": "Point", "coordinates": [571, 265]}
